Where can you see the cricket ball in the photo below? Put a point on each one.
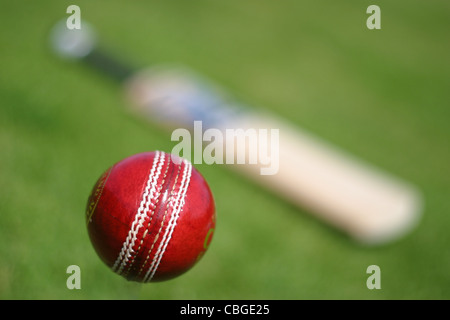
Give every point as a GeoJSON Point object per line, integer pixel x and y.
{"type": "Point", "coordinates": [151, 216]}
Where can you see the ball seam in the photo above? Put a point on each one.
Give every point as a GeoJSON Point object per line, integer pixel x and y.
{"type": "Point", "coordinates": [155, 240]}
{"type": "Point", "coordinates": [177, 208]}
{"type": "Point", "coordinates": [127, 247]}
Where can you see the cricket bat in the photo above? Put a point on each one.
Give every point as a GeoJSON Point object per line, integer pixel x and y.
{"type": "Point", "coordinates": [363, 201]}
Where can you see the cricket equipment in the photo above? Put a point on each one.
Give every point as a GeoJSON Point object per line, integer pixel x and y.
{"type": "Point", "coordinates": [370, 205]}
{"type": "Point", "coordinates": [150, 217]}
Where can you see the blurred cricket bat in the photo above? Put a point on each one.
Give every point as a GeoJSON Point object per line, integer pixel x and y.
{"type": "Point", "coordinates": [371, 206]}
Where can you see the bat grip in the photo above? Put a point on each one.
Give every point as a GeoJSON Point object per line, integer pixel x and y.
{"type": "Point", "coordinates": [109, 65]}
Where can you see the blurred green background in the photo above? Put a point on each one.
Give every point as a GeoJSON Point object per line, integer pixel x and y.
{"type": "Point", "coordinates": [381, 94]}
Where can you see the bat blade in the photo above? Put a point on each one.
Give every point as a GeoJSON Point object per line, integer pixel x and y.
{"type": "Point", "coordinates": [370, 205]}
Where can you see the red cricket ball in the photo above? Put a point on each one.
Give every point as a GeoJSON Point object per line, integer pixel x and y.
{"type": "Point", "coordinates": [151, 216]}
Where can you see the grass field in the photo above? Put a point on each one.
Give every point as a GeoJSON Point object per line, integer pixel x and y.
{"type": "Point", "coordinates": [381, 94]}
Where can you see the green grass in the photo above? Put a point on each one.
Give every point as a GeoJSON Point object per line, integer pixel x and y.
{"type": "Point", "coordinates": [380, 94]}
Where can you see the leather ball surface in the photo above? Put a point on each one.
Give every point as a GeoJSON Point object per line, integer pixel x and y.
{"type": "Point", "coordinates": [151, 216]}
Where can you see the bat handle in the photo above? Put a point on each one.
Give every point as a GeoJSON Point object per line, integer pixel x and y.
{"type": "Point", "coordinates": [81, 44]}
